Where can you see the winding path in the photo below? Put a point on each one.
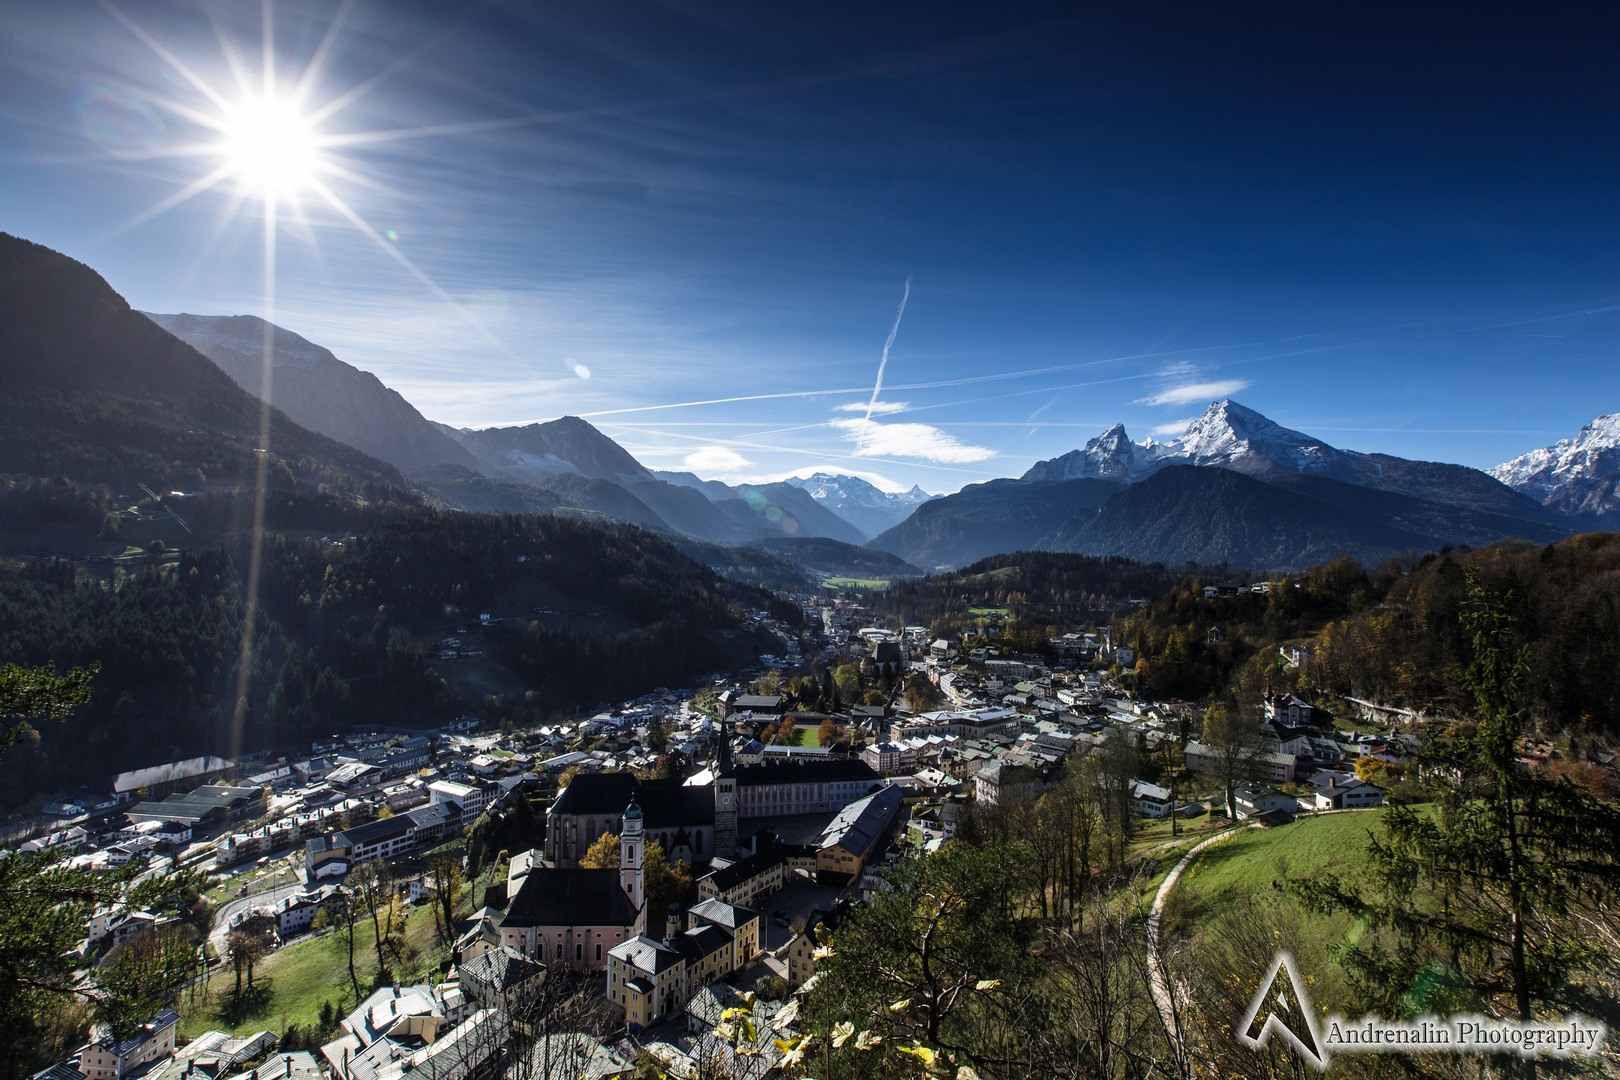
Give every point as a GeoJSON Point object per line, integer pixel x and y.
{"type": "Point", "coordinates": [1157, 983]}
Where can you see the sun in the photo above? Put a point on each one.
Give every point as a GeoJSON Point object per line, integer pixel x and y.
{"type": "Point", "coordinates": [269, 145]}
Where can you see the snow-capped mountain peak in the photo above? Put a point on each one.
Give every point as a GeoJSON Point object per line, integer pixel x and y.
{"type": "Point", "coordinates": [1228, 435]}
{"type": "Point", "coordinates": [1233, 436]}
{"type": "Point", "coordinates": [1579, 476]}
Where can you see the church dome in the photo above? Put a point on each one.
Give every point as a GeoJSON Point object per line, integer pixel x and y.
{"type": "Point", "coordinates": [632, 812]}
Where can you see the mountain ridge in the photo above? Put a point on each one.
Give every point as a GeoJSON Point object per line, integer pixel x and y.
{"type": "Point", "coordinates": [319, 391]}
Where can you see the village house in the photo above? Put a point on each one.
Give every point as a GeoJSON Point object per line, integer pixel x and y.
{"type": "Point", "coordinates": [1344, 791]}
{"type": "Point", "coordinates": [1150, 800]}
{"type": "Point", "coordinates": [107, 1059]}
{"type": "Point", "coordinates": [1255, 799]}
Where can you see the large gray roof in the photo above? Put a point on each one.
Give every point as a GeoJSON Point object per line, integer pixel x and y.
{"type": "Point", "coordinates": [858, 824]}
{"type": "Point", "coordinates": [551, 897]}
{"type": "Point", "coordinates": [665, 804]}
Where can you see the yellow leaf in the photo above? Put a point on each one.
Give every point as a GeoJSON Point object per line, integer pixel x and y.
{"type": "Point", "coordinates": [921, 1053]}
{"type": "Point", "coordinates": [987, 984]}
{"type": "Point", "coordinates": [897, 1006]}
{"type": "Point", "coordinates": [966, 1073]}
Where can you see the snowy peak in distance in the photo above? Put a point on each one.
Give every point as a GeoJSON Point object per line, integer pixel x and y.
{"type": "Point", "coordinates": [832, 488]}
{"type": "Point", "coordinates": [1579, 476]}
{"type": "Point", "coordinates": [1228, 436]}
{"type": "Point", "coordinates": [859, 502]}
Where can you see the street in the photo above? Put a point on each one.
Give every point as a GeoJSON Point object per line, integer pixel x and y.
{"type": "Point", "coordinates": [227, 911]}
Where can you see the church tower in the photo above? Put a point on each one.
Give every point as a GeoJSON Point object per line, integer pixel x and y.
{"type": "Point", "coordinates": [632, 861]}
{"type": "Point", "coordinates": [725, 798]}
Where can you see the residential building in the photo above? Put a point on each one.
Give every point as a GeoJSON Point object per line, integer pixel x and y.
{"type": "Point", "coordinates": [1255, 799]}
{"type": "Point", "coordinates": [1150, 800]}
{"type": "Point", "coordinates": [107, 1059]}
{"type": "Point", "coordinates": [296, 913]}
{"type": "Point", "coordinates": [651, 978]}
{"type": "Point", "coordinates": [817, 933]}
{"type": "Point", "coordinates": [472, 798]}
{"type": "Point", "coordinates": [888, 758]}
{"type": "Point", "coordinates": [1344, 791]}
{"type": "Point", "coordinates": [502, 979]}
{"type": "Point", "coordinates": [1274, 767]}
{"type": "Point", "coordinates": [997, 780]}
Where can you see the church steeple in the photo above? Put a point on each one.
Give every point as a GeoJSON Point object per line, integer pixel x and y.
{"type": "Point", "coordinates": [725, 767]}
{"type": "Point", "coordinates": [632, 856]}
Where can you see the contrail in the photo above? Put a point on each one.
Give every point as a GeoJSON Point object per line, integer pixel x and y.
{"type": "Point", "coordinates": [887, 345]}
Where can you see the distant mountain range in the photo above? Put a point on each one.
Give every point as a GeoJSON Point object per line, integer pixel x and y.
{"type": "Point", "coordinates": [1236, 486]}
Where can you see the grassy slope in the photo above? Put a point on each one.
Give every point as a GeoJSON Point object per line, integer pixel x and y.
{"type": "Point", "coordinates": [1248, 863]}
{"type": "Point", "coordinates": [291, 984]}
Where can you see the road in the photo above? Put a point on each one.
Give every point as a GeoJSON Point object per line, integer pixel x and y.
{"type": "Point", "coordinates": [264, 898]}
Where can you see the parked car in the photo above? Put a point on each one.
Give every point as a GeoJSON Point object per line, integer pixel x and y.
{"type": "Point", "coordinates": [782, 923]}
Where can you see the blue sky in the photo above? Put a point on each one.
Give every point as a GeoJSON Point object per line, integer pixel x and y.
{"type": "Point", "coordinates": [1393, 229]}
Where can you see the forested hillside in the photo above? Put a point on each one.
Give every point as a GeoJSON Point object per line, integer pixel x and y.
{"type": "Point", "coordinates": [339, 636]}
{"type": "Point", "coordinates": [1392, 633]}
{"type": "Point", "coordinates": [1034, 586]}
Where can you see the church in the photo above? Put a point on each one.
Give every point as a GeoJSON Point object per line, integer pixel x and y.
{"type": "Point", "coordinates": [681, 818]}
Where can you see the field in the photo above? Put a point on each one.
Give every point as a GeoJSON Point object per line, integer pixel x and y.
{"type": "Point", "coordinates": [291, 984]}
{"type": "Point", "coordinates": [876, 584]}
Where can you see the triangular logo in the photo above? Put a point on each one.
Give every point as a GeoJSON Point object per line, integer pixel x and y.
{"type": "Point", "coordinates": [1281, 1006]}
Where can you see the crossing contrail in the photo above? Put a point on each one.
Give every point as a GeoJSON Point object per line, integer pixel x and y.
{"type": "Point", "coordinates": [887, 345]}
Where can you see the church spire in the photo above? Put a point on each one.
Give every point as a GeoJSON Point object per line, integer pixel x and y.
{"type": "Point", "coordinates": [725, 748]}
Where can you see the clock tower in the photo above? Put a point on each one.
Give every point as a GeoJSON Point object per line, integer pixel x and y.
{"type": "Point", "coordinates": [725, 798]}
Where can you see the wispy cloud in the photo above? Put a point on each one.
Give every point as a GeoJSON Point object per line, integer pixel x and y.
{"type": "Point", "coordinates": [709, 461]}
{"type": "Point", "coordinates": [1174, 427]}
{"type": "Point", "coordinates": [1187, 393]}
{"type": "Point", "coordinates": [882, 408]}
{"type": "Point", "coordinates": [873, 439]}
